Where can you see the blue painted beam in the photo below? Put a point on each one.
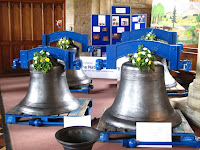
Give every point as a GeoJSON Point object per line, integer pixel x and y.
{"type": "Point", "coordinates": [170, 37]}
{"type": "Point", "coordinates": [26, 55]}
{"type": "Point", "coordinates": [55, 36]}
{"type": "Point", "coordinates": [170, 52]}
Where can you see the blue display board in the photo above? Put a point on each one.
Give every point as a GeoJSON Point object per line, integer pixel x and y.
{"type": "Point", "coordinates": [121, 10]}
{"type": "Point", "coordinates": [138, 21]}
{"type": "Point", "coordinates": [107, 29]}
{"type": "Point", "coordinates": [120, 22]}
{"type": "Point", "coordinates": [101, 30]}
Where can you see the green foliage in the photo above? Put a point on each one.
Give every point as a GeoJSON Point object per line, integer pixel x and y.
{"type": "Point", "coordinates": [174, 16]}
{"type": "Point", "coordinates": [158, 10]}
{"type": "Point", "coordinates": [42, 61]}
{"type": "Point", "coordinates": [144, 58]}
{"type": "Point", "coordinates": [192, 34]}
{"type": "Point", "coordinates": [198, 18]}
{"type": "Point", "coordinates": [149, 36]}
{"type": "Point", "coordinates": [65, 43]}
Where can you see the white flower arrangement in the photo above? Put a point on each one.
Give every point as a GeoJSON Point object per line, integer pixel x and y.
{"type": "Point", "coordinates": [144, 58]}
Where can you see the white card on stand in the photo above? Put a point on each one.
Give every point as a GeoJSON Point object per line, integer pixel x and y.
{"type": "Point", "coordinates": [77, 121]}
{"type": "Point", "coordinates": [154, 132]}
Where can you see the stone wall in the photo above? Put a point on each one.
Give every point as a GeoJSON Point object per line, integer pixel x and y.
{"type": "Point", "coordinates": [78, 12]}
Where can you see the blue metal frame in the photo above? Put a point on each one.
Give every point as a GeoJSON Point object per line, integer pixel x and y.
{"type": "Point", "coordinates": [67, 56]}
{"type": "Point", "coordinates": [46, 120]}
{"type": "Point", "coordinates": [55, 36]}
{"type": "Point", "coordinates": [170, 52]}
{"type": "Point", "coordinates": [132, 143]}
{"type": "Point", "coordinates": [170, 37]}
{"type": "Point", "coordinates": [81, 38]}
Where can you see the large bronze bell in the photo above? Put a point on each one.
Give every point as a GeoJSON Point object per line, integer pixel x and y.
{"type": "Point", "coordinates": [77, 78]}
{"type": "Point", "coordinates": [141, 97]}
{"type": "Point", "coordinates": [48, 93]}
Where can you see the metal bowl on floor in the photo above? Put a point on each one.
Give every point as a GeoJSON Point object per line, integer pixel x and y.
{"type": "Point", "coordinates": [77, 137]}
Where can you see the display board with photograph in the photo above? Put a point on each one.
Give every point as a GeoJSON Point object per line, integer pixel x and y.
{"type": "Point", "coordinates": [120, 22]}
{"type": "Point", "coordinates": [101, 30]}
{"type": "Point", "coordinates": [138, 21]}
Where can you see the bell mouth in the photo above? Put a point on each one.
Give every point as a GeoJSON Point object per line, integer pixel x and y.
{"type": "Point", "coordinates": [77, 136]}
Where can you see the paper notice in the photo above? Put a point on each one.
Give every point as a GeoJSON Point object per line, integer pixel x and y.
{"type": "Point", "coordinates": [101, 20]}
{"type": "Point", "coordinates": [137, 26]}
{"type": "Point", "coordinates": [96, 29]}
{"type": "Point", "coordinates": [154, 132]}
{"type": "Point", "coordinates": [120, 10]}
{"type": "Point", "coordinates": [77, 121]}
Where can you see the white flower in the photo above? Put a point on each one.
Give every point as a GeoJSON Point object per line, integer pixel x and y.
{"type": "Point", "coordinates": [35, 58]}
{"type": "Point", "coordinates": [146, 60]}
{"type": "Point", "coordinates": [41, 51]}
{"type": "Point", "coordinates": [144, 48]}
{"type": "Point", "coordinates": [148, 35]}
{"type": "Point", "coordinates": [35, 62]}
{"type": "Point", "coordinates": [47, 53]}
{"type": "Point", "coordinates": [149, 51]}
{"type": "Point", "coordinates": [63, 41]}
{"type": "Point", "coordinates": [149, 55]}
{"type": "Point", "coordinates": [133, 61]}
{"type": "Point", "coordinates": [32, 65]}
{"type": "Point", "coordinates": [135, 55]}
{"type": "Point", "coordinates": [60, 46]}
{"type": "Point", "coordinates": [143, 53]}
{"type": "Point", "coordinates": [146, 38]}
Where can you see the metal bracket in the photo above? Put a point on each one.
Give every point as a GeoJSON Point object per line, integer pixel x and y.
{"type": "Point", "coordinates": [55, 36]}
{"type": "Point", "coordinates": [67, 56]}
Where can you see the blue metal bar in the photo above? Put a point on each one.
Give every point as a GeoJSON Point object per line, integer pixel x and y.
{"type": "Point", "coordinates": [178, 94]}
{"type": "Point", "coordinates": [170, 37]}
{"type": "Point", "coordinates": [55, 36]}
{"type": "Point", "coordinates": [26, 55]}
{"type": "Point", "coordinates": [170, 52]}
{"type": "Point", "coordinates": [133, 143]}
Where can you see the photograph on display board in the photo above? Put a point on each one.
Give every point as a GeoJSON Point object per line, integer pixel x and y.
{"type": "Point", "coordinates": [105, 38]}
{"type": "Point", "coordinates": [181, 16]}
{"type": "Point", "coordinates": [141, 18]}
{"type": "Point", "coordinates": [115, 20]}
{"type": "Point", "coordinates": [116, 36]}
{"type": "Point", "coordinates": [96, 37]}
{"type": "Point", "coordinates": [104, 29]}
{"type": "Point", "coordinates": [124, 21]}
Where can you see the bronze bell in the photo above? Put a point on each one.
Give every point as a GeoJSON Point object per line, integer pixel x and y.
{"type": "Point", "coordinates": [141, 97]}
{"type": "Point", "coordinates": [48, 93]}
{"type": "Point", "coordinates": [77, 78]}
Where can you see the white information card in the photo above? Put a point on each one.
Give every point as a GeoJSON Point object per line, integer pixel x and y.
{"type": "Point", "coordinates": [77, 121]}
{"type": "Point", "coordinates": [154, 132]}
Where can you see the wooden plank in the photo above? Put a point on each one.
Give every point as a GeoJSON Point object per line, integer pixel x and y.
{"type": "Point", "coordinates": [178, 89]}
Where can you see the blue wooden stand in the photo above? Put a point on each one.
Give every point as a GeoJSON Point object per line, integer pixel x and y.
{"type": "Point", "coordinates": [184, 132]}
{"type": "Point", "coordinates": [13, 116]}
{"type": "Point", "coordinates": [82, 89]}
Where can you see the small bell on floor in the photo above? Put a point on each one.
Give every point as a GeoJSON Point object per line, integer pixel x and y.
{"type": "Point", "coordinates": [48, 93]}
{"type": "Point", "coordinates": [141, 97]}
